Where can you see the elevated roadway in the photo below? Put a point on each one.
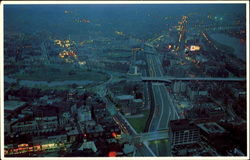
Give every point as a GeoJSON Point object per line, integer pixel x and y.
{"type": "Point", "coordinates": [171, 79]}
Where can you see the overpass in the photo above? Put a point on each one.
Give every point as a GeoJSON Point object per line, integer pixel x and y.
{"type": "Point", "coordinates": [151, 136]}
{"type": "Point", "coordinates": [171, 79]}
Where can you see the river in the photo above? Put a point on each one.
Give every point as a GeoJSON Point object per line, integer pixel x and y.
{"type": "Point", "coordinates": [239, 47]}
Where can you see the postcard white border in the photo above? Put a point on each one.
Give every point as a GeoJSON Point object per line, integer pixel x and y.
{"type": "Point", "coordinates": [120, 2]}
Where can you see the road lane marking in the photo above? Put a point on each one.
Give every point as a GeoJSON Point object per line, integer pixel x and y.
{"type": "Point", "coordinates": [160, 107]}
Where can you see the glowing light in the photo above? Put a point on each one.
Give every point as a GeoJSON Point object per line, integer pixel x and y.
{"type": "Point", "coordinates": [63, 44]}
{"type": "Point", "coordinates": [194, 48]}
{"type": "Point", "coordinates": [82, 62]}
{"type": "Point", "coordinates": [67, 12]}
{"type": "Point", "coordinates": [119, 33]}
{"type": "Point", "coordinates": [23, 145]}
{"type": "Point", "coordinates": [114, 134]}
{"type": "Point", "coordinates": [112, 154]}
{"type": "Point", "coordinates": [85, 20]}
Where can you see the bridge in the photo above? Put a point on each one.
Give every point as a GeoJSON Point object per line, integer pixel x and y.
{"type": "Point", "coordinates": [171, 79]}
{"type": "Point", "coordinates": [151, 136]}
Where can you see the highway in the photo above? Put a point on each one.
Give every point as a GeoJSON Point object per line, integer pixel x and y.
{"type": "Point", "coordinates": [150, 136]}
{"type": "Point", "coordinates": [170, 79]}
{"type": "Point", "coordinates": [164, 109]}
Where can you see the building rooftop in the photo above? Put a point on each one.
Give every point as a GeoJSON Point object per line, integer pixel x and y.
{"type": "Point", "coordinates": [93, 129]}
{"type": "Point", "coordinates": [73, 132]}
{"type": "Point", "coordinates": [181, 124]}
{"type": "Point", "coordinates": [13, 105]}
{"type": "Point", "coordinates": [45, 111]}
{"type": "Point", "coordinates": [128, 148]}
{"type": "Point", "coordinates": [211, 127]}
{"type": "Point", "coordinates": [212, 107]}
{"type": "Point", "coordinates": [88, 145]}
{"type": "Point", "coordinates": [137, 100]}
{"type": "Point", "coordinates": [125, 97]}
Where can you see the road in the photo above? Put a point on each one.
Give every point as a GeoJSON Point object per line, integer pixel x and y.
{"type": "Point", "coordinates": [164, 109]}
{"type": "Point", "coordinates": [169, 79]}
{"type": "Point", "coordinates": [150, 136]}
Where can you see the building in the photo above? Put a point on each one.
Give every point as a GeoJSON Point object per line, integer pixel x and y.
{"type": "Point", "coordinates": [179, 87]}
{"type": "Point", "coordinates": [94, 131]}
{"type": "Point", "coordinates": [60, 138]}
{"type": "Point", "coordinates": [128, 149]}
{"type": "Point", "coordinates": [64, 118]}
{"type": "Point", "coordinates": [88, 145]}
{"type": "Point", "coordinates": [126, 103]}
{"type": "Point", "coordinates": [195, 92]}
{"type": "Point", "coordinates": [215, 112]}
{"type": "Point", "coordinates": [72, 135]}
{"type": "Point", "coordinates": [14, 107]}
{"type": "Point", "coordinates": [137, 104]}
{"type": "Point", "coordinates": [210, 130]}
{"type": "Point", "coordinates": [44, 120]}
{"type": "Point", "coordinates": [84, 114]}
{"type": "Point", "coordinates": [183, 132]}
{"type": "Point", "coordinates": [25, 127]}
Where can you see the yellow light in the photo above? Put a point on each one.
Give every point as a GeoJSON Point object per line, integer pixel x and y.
{"type": "Point", "coordinates": [82, 62]}
{"type": "Point", "coordinates": [119, 33]}
{"type": "Point", "coordinates": [194, 48]}
{"type": "Point", "coordinates": [67, 45]}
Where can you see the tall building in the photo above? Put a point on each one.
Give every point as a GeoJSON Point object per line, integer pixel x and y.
{"type": "Point", "coordinates": [183, 132]}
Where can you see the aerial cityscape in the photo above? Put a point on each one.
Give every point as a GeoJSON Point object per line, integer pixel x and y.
{"type": "Point", "coordinates": [125, 80]}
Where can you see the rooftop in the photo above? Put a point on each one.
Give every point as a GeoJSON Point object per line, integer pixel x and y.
{"type": "Point", "coordinates": [45, 111]}
{"type": "Point", "coordinates": [13, 105]}
{"type": "Point", "coordinates": [181, 124]}
{"type": "Point", "coordinates": [125, 97]}
{"type": "Point", "coordinates": [137, 100]}
{"type": "Point", "coordinates": [88, 145]}
{"type": "Point", "coordinates": [73, 132]}
{"type": "Point", "coordinates": [211, 127]}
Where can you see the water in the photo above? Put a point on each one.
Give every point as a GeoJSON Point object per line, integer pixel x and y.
{"type": "Point", "coordinates": [239, 47]}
